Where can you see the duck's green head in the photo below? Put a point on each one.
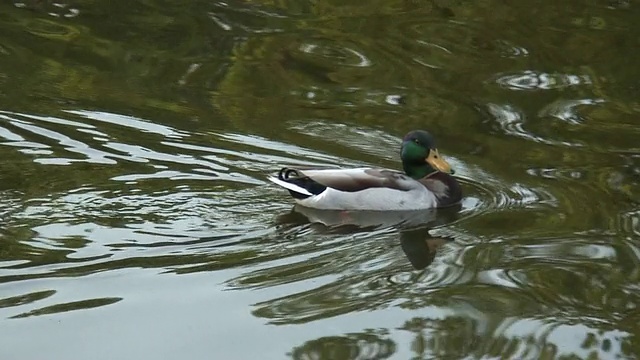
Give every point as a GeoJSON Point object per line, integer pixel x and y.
{"type": "Point", "coordinates": [420, 155]}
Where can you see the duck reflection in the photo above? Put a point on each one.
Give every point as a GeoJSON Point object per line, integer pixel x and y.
{"type": "Point", "coordinates": [420, 247]}
{"type": "Point", "coordinates": [413, 227]}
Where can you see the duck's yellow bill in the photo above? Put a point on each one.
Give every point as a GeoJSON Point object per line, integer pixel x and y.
{"type": "Point", "coordinates": [437, 162]}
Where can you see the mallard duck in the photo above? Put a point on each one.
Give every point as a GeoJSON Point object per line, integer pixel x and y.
{"type": "Point", "coordinates": [425, 184]}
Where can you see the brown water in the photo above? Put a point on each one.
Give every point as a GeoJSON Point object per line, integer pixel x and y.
{"type": "Point", "coordinates": [136, 222]}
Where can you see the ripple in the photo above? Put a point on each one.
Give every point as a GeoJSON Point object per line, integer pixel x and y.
{"type": "Point", "coordinates": [69, 144]}
{"type": "Point", "coordinates": [630, 223]}
{"type": "Point", "coordinates": [26, 299]}
{"type": "Point", "coordinates": [495, 195]}
{"type": "Point", "coordinates": [362, 269]}
{"type": "Point", "coordinates": [50, 141]}
{"type": "Point", "coordinates": [329, 69]}
{"type": "Point", "coordinates": [566, 110]}
{"type": "Point", "coordinates": [549, 331]}
{"type": "Point", "coordinates": [351, 97]}
{"type": "Point", "coordinates": [175, 229]}
{"type": "Point", "coordinates": [535, 80]}
{"type": "Point", "coordinates": [435, 44]}
{"type": "Point", "coordinates": [593, 118]}
{"type": "Point", "coordinates": [11, 201]}
{"type": "Point", "coordinates": [366, 140]}
{"type": "Point", "coordinates": [55, 9]}
{"type": "Point", "coordinates": [52, 30]}
{"type": "Point", "coordinates": [365, 345]}
{"type": "Point", "coordinates": [572, 252]}
{"type": "Point", "coordinates": [437, 55]}
{"type": "Point", "coordinates": [510, 50]}
{"type": "Point", "coordinates": [447, 33]}
{"type": "Point", "coordinates": [445, 44]}
{"type": "Point", "coordinates": [558, 174]}
{"type": "Point", "coordinates": [145, 126]}
{"type": "Point", "coordinates": [524, 335]}
{"type": "Point", "coordinates": [528, 258]}
{"type": "Point", "coordinates": [71, 306]}
{"type": "Point", "coordinates": [329, 52]}
{"type": "Point", "coordinates": [247, 18]}
{"type": "Point", "coordinates": [511, 121]}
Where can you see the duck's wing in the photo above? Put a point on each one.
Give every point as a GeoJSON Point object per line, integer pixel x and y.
{"type": "Point", "coordinates": [306, 183]}
{"type": "Point", "coordinates": [352, 180]}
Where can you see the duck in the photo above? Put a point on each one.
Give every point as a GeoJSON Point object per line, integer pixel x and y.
{"type": "Point", "coordinates": [426, 182]}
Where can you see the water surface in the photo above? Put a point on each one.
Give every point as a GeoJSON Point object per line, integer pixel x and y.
{"type": "Point", "coordinates": [136, 220]}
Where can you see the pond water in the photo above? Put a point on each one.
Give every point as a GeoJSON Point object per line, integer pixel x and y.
{"type": "Point", "coordinates": [136, 221]}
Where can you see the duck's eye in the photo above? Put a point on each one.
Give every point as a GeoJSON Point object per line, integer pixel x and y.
{"type": "Point", "coordinates": [416, 141]}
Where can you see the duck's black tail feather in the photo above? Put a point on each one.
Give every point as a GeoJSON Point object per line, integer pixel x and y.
{"type": "Point", "coordinates": [292, 176]}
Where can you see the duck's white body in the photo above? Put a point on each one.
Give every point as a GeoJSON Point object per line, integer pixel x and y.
{"type": "Point", "coordinates": [357, 189]}
{"type": "Point", "coordinates": [372, 199]}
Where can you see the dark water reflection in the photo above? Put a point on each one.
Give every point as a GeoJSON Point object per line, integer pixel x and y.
{"type": "Point", "coordinates": [136, 222]}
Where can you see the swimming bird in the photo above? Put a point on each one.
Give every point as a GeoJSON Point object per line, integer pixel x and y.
{"type": "Point", "coordinates": [426, 182]}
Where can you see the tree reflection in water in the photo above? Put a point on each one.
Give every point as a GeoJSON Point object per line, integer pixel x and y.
{"type": "Point", "coordinates": [365, 345]}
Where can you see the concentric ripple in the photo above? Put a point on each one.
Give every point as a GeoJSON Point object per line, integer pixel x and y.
{"type": "Point", "coordinates": [534, 80]}
{"type": "Point", "coordinates": [332, 54]}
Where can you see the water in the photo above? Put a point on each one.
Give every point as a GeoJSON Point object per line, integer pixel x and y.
{"type": "Point", "coordinates": [136, 222]}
